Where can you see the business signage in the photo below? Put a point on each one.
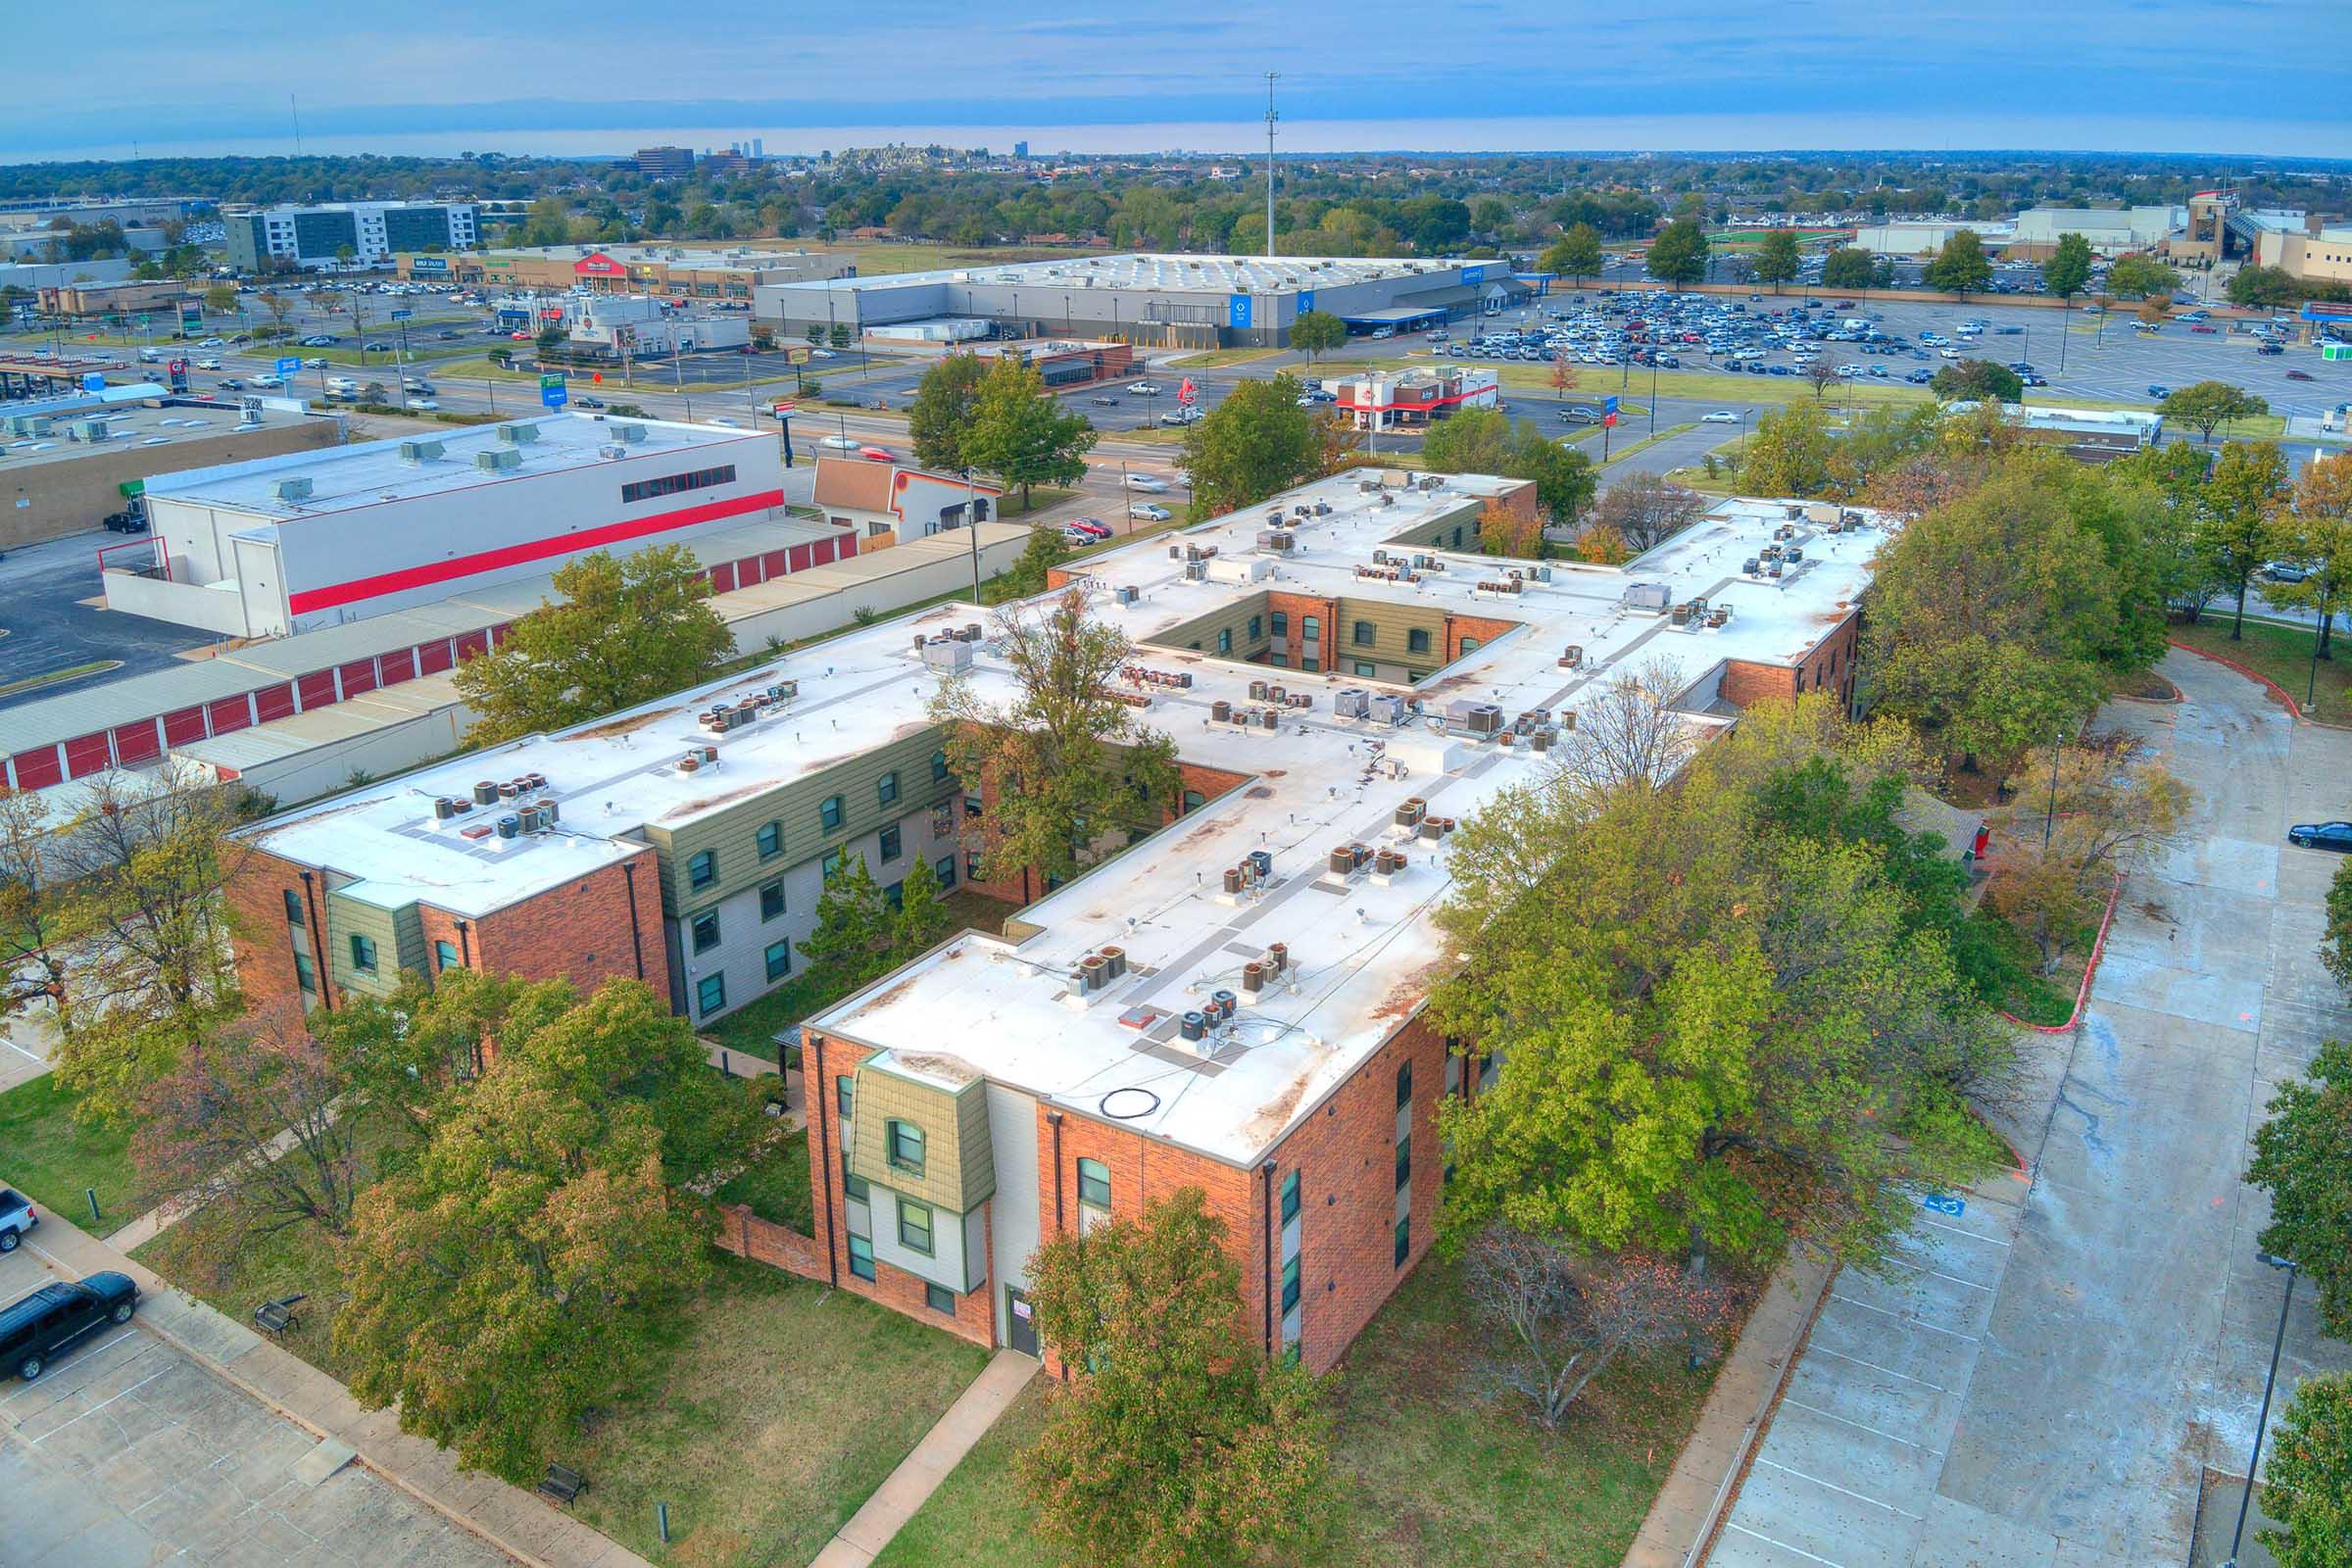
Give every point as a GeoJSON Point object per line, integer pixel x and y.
{"type": "Point", "coordinates": [1306, 300]}
{"type": "Point", "coordinates": [428, 264]}
{"type": "Point", "coordinates": [1237, 312]}
{"type": "Point", "coordinates": [402, 315]}
{"type": "Point", "coordinates": [2326, 311]}
{"type": "Point", "coordinates": [93, 380]}
{"type": "Point", "coordinates": [1474, 274]}
{"type": "Point", "coordinates": [289, 366]}
{"type": "Point", "coordinates": [1608, 404]}
{"type": "Point", "coordinates": [552, 391]}
{"type": "Point", "coordinates": [598, 264]}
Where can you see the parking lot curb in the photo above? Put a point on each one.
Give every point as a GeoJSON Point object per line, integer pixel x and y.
{"type": "Point", "coordinates": [2098, 949]}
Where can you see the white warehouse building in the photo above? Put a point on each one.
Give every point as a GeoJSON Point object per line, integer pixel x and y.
{"type": "Point", "coordinates": [311, 539]}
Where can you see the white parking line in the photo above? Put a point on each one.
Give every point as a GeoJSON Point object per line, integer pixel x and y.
{"type": "Point", "coordinates": [1823, 1350]}
{"type": "Point", "coordinates": [1998, 1240]}
{"type": "Point", "coordinates": [1899, 1318]}
{"type": "Point", "coordinates": [21, 1051]}
{"type": "Point", "coordinates": [1937, 1273]}
{"type": "Point", "coordinates": [1809, 1556]}
{"type": "Point", "coordinates": [1832, 1415]}
{"type": "Point", "coordinates": [103, 1403]}
{"type": "Point", "coordinates": [1846, 1491]}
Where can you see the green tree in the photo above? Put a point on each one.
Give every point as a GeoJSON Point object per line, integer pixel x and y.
{"type": "Point", "coordinates": [1254, 444]}
{"type": "Point", "coordinates": [1022, 434]}
{"type": "Point", "coordinates": [1679, 254]}
{"type": "Point", "coordinates": [1961, 268]}
{"type": "Point", "coordinates": [1574, 255]}
{"type": "Point", "coordinates": [1317, 332]}
{"type": "Point", "coordinates": [517, 1271]}
{"type": "Point", "coordinates": [1180, 1445]}
{"type": "Point", "coordinates": [1031, 571]}
{"type": "Point", "coordinates": [1486, 441]}
{"type": "Point", "coordinates": [345, 256]}
{"type": "Point", "coordinates": [2264, 287]}
{"type": "Point", "coordinates": [623, 632]}
{"type": "Point", "coordinates": [941, 415]}
{"type": "Point", "coordinates": [1845, 268]}
{"type": "Point", "coordinates": [2303, 1158]}
{"type": "Point", "coordinates": [1068, 773]}
{"type": "Point", "coordinates": [1776, 257]}
{"type": "Point", "coordinates": [2137, 277]}
{"type": "Point", "coordinates": [853, 939]}
{"type": "Point", "coordinates": [220, 299]}
{"type": "Point", "coordinates": [1790, 453]}
{"type": "Point", "coordinates": [2336, 946]}
{"type": "Point", "coordinates": [922, 919]}
{"type": "Point", "coordinates": [816, 333]}
{"type": "Point", "coordinates": [2315, 529]}
{"type": "Point", "coordinates": [2249, 482]}
{"type": "Point", "coordinates": [840, 333]}
{"type": "Point", "coordinates": [2307, 1486]}
{"type": "Point", "coordinates": [2206, 405]}
{"type": "Point", "coordinates": [1978, 381]}
{"type": "Point", "coordinates": [2069, 267]}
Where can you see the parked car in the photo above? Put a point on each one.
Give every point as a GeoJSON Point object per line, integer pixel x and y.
{"type": "Point", "coordinates": [2298, 376]}
{"type": "Point", "coordinates": [2336, 836]}
{"type": "Point", "coordinates": [1185, 416]}
{"type": "Point", "coordinates": [2157, 389]}
{"type": "Point", "coordinates": [2286, 571]}
{"type": "Point", "coordinates": [1104, 399]}
{"type": "Point", "coordinates": [823, 353]}
{"type": "Point", "coordinates": [17, 1217]}
{"type": "Point", "coordinates": [1144, 389]}
{"type": "Point", "coordinates": [1145, 511]}
{"type": "Point", "coordinates": [58, 1316]}
{"type": "Point", "coordinates": [1092, 527]}
{"type": "Point", "coordinates": [2270, 348]}
{"type": "Point", "coordinates": [1719, 416]}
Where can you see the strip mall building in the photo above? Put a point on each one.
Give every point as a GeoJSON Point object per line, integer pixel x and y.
{"type": "Point", "coordinates": [1234, 1002]}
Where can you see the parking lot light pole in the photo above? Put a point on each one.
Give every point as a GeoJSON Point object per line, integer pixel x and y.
{"type": "Point", "coordinates": [2245, 1499]}
{"type": "Point", "coordinates": [971, 526]}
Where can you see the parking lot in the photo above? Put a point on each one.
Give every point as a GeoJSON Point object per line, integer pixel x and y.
{"type": "Point", "coordinates": [126, 1452]}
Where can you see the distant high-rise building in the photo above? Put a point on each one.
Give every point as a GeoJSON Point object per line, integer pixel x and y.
{"type": "Point", "coordinates": [665, 163]}
{"type": "Point", "coordinates": [759, 148]}
{"type": "Point", "coordinates": [1020, 149]}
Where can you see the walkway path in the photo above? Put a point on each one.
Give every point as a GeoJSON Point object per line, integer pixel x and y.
{"type": "Point", "coordinates": [2047, 1376]}
{"type": "Point", "coordinates": [919, 1474]}
{"type": "Point", "coordinates": [513, 1520]}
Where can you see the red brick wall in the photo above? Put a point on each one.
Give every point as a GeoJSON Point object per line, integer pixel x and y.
{"type": "Point", "coordinates": [256, 893]}
{"type": "Point", "coordinates": [1829, 666]}
{"type": "Point", "coordinates": [580, 930]}
{"type": "Point", "coordinates": [1481, 628]}
{"type": "Point", "coordinates": [1293, 644]}
{"type": "Point", "coordinates": [746, 1235]}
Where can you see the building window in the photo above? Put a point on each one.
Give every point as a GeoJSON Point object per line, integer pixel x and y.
{"type": "Point", "coordinates": [1404, 1086]}
{"type": "Point", "coordinates": [670, 484]}
{"type": "Point", "coordinates": [971, 870]}
{"type": "Point", "coordinates": [845, 1096]}
{"type": "Point", "coordinates": [944, 868]}
{"type": "Point", "coordinates": [1279, 660]}
{"type": "Point", "coordinates": [836, 863]}
{"type": "Point", "coordinates": [886, 788]}
{"type": "Point", "coordinates": [1194, 799]}
{"type": "Point", "coordinates": [1489, 1066]}
{"type": "Point", "coordinates": [1290, 1283]}
{"type": "Point", "coordinates": [305, 975]}
{"type": "Point", "coordinates": [1309, 662]}
{"type": "Point", "coordinates": [862, 1257]}
{"type": "Point", "coordinates": [771, 839]}
{"type": "Point", "coordinates": [1362, 669]}
{"type": "Point", "coordinates": [1282, 623]}
{"type": "Point", "coordinates": [830, 812]}
{"type": "Point", "coordinates": [854, 1186]}
{"type": "Point", "coordinates": [772, 900]}
{"type": "Point", "coordinates": [939, 1299]}
{"type": "Point", "coordinates": [895, 895]}
{"type": "Point", "coordinates": [701, 869]}
{"type": "Point", "coordinates": [1256, 623]}
{"type": "Point", "coordinates": [1457, 538]}
{"type": "Point", "coordinates": [1469, 646]}
{"type": "Point", "coordinates": [1405, 1162]}
{"type": "Point", "coordinates": [973, 807]}
{"type": "Point", "coordinates": [1416, 641]}
{"type": "Point", "coordinates": [445, 956]}
{"type": "Point", "coordinates": [1366, 634]}
{"type": "Point", "coordinates": [1404, 1239]}
{"type": "Point", "coordinates": [1094, 1184]}
{"type": "Point", "coordinates": [914, 1226]}
{"type": "Point", "coordinates": [706, 930]}
{"type": "Point", "coordinates": [892, 845]}
{"type": "Point", "coordinates": [1225, 639]}
{"type": "Point", "coordinates": [906, 1148]}
{"type": "Point", "coordinates": [363, 954]}
{"type": "Point", "coordinates": [1290, 1198]}
{"type": "Point", "coordinates": [293, 907]}
{"type": "Point", "coordinates": [939, 767]}
{"type": "Point", "coordinates": [1310, 628]}
{"type": "Point", "coordinates": [710, 994]}
{"type": "Point", "coordinates": [779, 960]}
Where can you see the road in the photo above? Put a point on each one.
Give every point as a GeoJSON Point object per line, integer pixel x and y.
{"type": "Point", "coordinates": [2048, 1376]}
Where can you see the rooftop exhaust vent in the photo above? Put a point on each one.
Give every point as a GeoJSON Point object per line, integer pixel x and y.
{"type": "Point", "coordinates": [631, 433]}
{"type": "Point", "coordinates": [498, 459]}
{"type": "Point", "coordinates": [516, 435]}
{"type": "Point", "coordinates": [415, 453]}
{"type": "Point", "coordinates": [291, 490]}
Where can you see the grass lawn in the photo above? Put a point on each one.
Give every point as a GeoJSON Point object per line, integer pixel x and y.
{"type": "Point", "coordinates": [236, 1274]}
{"type": "Point", "coordinates": [1215, 358]}
{"type": "Point", "coordinates": [50, 1158]}
{"type": "Point", "coordinates": [781, 1408]}
{"type": "Point", "coordinates": [2284, 653]}
{"type": "Point", "coordinates": [776, 1185]}
{"type": "Point", "coordinates": [1039, 499]}
{"type": "Point", "coordinates": [1432, 1467]}
{"type": "Point", "coordinates": [2031, 995]}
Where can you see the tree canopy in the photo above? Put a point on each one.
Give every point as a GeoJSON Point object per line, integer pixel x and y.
{"type": "Point", "coordinates": [2069, 267]}
{"type": "Point", "coordinates": [2307, 1486]}
{"type": "Point", "coordinates": [2137, 277]}
{"type": "Point", "coordinates": [1978, 381]}
{"type": "Point", "coordinates": [1961, 266]}
{"type": "Point", "coordinates": [622, 632]}
{"type": "Point", "coordinates": [1319, 333]}
{"type": "Point", "coordinates": [1846, 267]}
{"type": "Point", "coordinates": [2303, 1158]}
{"type": "Point", "coordinates": [2237, 523]}
{"type": "Point", "coordinates": [1254, 444]}
{"type": "Point", "coordinates": [1574, 255]}
{"type": "Point", "coordinates": [1790, 453]}
{"type": "Point", "coordinates": [942, 412]}
{"type": "Point", "coordinates": [2206, 406]}
{"type": "Point", "coordinates": [1486, 441]}
{"type": "Point", "coordinates": [1679, 254]}
{"type": "Point", "coordinates": [1775, 260]}
{"type": "Point", "coordinates": [1022, 434]}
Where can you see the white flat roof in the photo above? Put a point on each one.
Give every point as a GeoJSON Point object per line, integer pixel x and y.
{"type": "Point", "coordinates": [1209, 274]}
{"type": "Point", "coordinates": [1364, 955]}
{"type": "Point", "coordinates": [367, 474]}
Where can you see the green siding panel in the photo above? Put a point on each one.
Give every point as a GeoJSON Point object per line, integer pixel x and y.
{"type": "Point", "coordinates": [1204, 629]}
{"type": "Point", "coordinates": [346, 917]}
{"type": "Point", "coordinates": [959, 1170]}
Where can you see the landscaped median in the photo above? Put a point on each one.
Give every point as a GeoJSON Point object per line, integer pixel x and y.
{"type": "Point", "coordinates": [2280, 653]}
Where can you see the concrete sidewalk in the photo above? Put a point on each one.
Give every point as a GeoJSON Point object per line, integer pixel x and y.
{"type": "Point", "coordinates": [517, 1522]}
{"type": "Point", "coordinates": [919, 1474]}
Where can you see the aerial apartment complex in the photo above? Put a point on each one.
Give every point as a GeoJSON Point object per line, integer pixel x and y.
{"type": "Point", "coordinates": [263, 237]}
{"type": "Point", "coordinates": [1232, 1002]}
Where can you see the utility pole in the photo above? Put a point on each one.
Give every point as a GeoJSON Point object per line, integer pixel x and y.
{"type": "Point", "coordinates": [1271, 77]}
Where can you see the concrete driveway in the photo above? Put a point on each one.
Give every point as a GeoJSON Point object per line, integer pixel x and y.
{"type": "Point", "coordinates": [2047, 1377]}
{"type": "Point", "coordinates": [126, 1452]}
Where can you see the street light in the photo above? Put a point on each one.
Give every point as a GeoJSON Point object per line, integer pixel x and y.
{"type": "Point", "coordinates": [2246, 1499]}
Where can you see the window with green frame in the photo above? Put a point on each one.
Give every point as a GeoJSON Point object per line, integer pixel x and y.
{"type": "Point", "coordinates": [1366, 634]}
{"type": "Point", "coordinates": [914, 1226]}
{"type": "Point", "coordinates": [710, 994]}
{"type": "Point", "coordinates": [705, 927]}
{"type": "Point", "coordinates": [939, 1299]}
{"type": "Point", "coordinates": [770, 840]}
{"type": "Point", "coordinates": [306, 976]}
{"type": "Point", "coordinates": [1416, 641]}
{"type": "Point", "coordinates": [1290, 1283]}
{"type": "Point", "coordinates": [772, 900]}
{"type": "Point", "coordinates": [836, 863]}
{"type": "Point", "coordinates": [830, 812]}
{"type": "Point", "coordinates": [1282, 623]}
{"type": "Point", "coordinates": [1404, 1239]}
{"type": "Point", "coordinates": [1256, 627]}
{"type": "Point", "coordinates": [892, 843]}
{"type": "Point", "coordinates": [779, 960]}
{"type": "Point", "coordinates": [1368, 668]}
{"type": "Point", "coordinates": [1094, 1184]}
{"type": "Point", "coordinates": [905, 1146]}
{"type": "Point", "coordinates": [853, 1185]}
{"type": "Point", "coordinates": [886, 788]}
{"type": "Point", "coordinates": [862, 1257]}
{"type": "Point", "coordinates": [1225, 639]}
{"type": "Point", "coordinates": [363, 953]}
{"type": "Point", "coordinates": [939, 767]}
{"type": "Point", "coordinates": [701, 869]}
{"type": "Point", "coordinates": [445, 956]}
{"type": "Point", "coordinates": [845, 1096]}
{"type": "Point", "coordinates": [1290, 1198]}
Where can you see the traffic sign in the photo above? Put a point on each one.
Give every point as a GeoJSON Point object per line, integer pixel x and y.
{"type": "Point", "coordinates": [402, 315]}
{"type": "Point", "coordinates": [1609, 421]}
{"type": "Point", "coordinates": [289, 366]}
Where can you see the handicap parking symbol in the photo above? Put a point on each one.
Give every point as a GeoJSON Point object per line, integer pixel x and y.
{"type": "Point", "coordinates": [1942, 1204]}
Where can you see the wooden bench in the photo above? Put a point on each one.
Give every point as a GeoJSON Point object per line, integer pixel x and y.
{"type": "Point", "coordinates": [275, 1317]}
{"type": "Point", "coordinates": [562, 1485]}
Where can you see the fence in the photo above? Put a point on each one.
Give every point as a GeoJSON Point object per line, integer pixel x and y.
{"type": "Point", "coordinates": [746, 1235]}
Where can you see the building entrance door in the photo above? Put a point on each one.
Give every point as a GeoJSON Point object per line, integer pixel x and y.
{"type": "Point", "coordinates": [1021, 1322]}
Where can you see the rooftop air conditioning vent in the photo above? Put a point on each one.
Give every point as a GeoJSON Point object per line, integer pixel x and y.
{"type": "Point", "coordinates": [291, 490]}
{"type": "Point", "coordinates": [89, 430]}
{"type": "Point", "coordinates": [631, 433]}
{"type": "Point", "coordinates": [415, 453]}
{"type": "Point", "coordinates": [498, 459]}
{"type": "Point", "coordinates": [613, 451]}
{"type": "Point", "coordinates": [516, 435]}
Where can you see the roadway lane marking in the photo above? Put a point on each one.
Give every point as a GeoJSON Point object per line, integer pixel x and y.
{"type": "Point", "coordinates": [1809, 1556]}
{"type": "Point", "coordinates": [1832, 1415]}
{"type": "Point", "coordinates": [21, 1051]}
{"type": "Point", "coordinates": [1998, 1240]}
{"type": "Point", "coordinates": [1899, 1318]}
{"type": "Point", "coordinates": [1823, 1350]}
{"type": "Point", "coordinates": [1846, 1492]}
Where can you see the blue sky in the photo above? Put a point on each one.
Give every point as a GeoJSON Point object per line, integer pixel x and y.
{"type": "Point", "coordinates": [2259, 77]}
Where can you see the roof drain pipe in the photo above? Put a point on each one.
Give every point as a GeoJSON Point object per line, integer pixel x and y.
{"type": "Point", "coordinates": [1267, 1304]}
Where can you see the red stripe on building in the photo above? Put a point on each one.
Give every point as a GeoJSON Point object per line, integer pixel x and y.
{"type": "Point", "coordinates": [439, 571]}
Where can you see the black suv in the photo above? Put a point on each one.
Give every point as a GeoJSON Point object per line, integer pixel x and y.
{"type": "Point", "coordinates": [55, 1317]}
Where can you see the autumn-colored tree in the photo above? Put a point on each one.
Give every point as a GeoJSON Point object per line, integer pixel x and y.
{"type": "Point", "coordinates": [1178, 1445]}
{"type": "Point", "coordinates": [1790, 453]}
{"type": "Point", "coordinates": [1069, 771]}
{"type": "Point", "coordinates": [2314, 529]}
{"type": "Point", "coordinates": [2081, 815]}
{"type": "Point", "coordinates": [1822, 375]}
{"type": "Point", "coordinates": [1603, 546]}
{"type": "Point", "coordinates": [33, 959]}
{"type": "Point", "coordinates": [1648, 510]}
{"type": "Point", "coordinates": [1564, 375]}
{"type": "Point", "coordinates": [2307, 1487]}
{"type": "Point", "coordinates": [1505, 531]}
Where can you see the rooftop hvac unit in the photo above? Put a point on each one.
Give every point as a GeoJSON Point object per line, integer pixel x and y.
{"type": "Point", "coordinates": [631, 433]}
{"type": "Point", "coordinates": [1479, 718]}
{"type": "Point", "coordinates": [1351, 702]}
{"type": "Point", "coordinates": [516, 435]}
{"type": "Point", "coordinates": [498, 459]}
{"type": "Point", "coordinates": [948, 655]}
{"type": "Point", "coordinates": [291, 490]}
{"type": "Point", "coordinates": [615, 450]}
{"type": "Point", "coordinates": [1387, 707]}
{"type": "Point", "coordinates": [1196, 571]}
{"type": "Point", "coordinates": [1125, 595]}
{"type": "Point", "coordinates": [1653, 597]}
{"type": "Point", "coordinates": [1276, 540]}
{"type": "Point", "coordinates": [416, 452]}
{"type": "Point", "coordinates": [509, 826]}
{"type": "Point", "coordinates": [90, 431]}
{"type": "Point", "coordinates": [28, 425]}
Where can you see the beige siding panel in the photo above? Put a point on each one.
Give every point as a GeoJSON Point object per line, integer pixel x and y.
{"type": "Point", "coordinates": [960, 1169]}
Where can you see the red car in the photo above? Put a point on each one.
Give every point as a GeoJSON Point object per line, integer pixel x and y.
{"type": "Point", "coordinates": [2298, 376]}
{"type": "Point", "coordinates": [875, 454]}
{"type": "Point", "coordinates": [2202, 327]}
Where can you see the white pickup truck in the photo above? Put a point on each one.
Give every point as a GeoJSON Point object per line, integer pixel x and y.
{"type": "Point", "coordinates": [17, 1216]}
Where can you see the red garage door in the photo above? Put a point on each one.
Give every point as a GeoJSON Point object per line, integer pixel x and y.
{"type": "Point", "coordinates": [722, 578]}
{"type": "Point", "coordinates": [316, 689]}
{"type": "Point", "coordinates": [270, 702]}
{"type": "Point", "coordinates": [184, 726]}
{"type": "Point", "coordinates": [799, 557]}
{"type": "Point", "coordinates": [229, 713]}
{"type": "Point", "coordinates": [748, 573]}
{"type": "Point", "coordinates": [86, 755]}
{"type": "Point", "coordinates": [434, 657]}
{"type": "Point", "coordinates": [777, 563]}
{"type": "Point", "coordinates": [398, 665]}
{"type": "Point", "coordinates": [471, 643]}
{"type": "Point", "coordinates": [138, 743]}
{"type": "Point", "coordinates": [357, 676]}
{"type": "Point", "coordinates": [37, 769]}
{"type": "Point", "coordinates": [844, 546]}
